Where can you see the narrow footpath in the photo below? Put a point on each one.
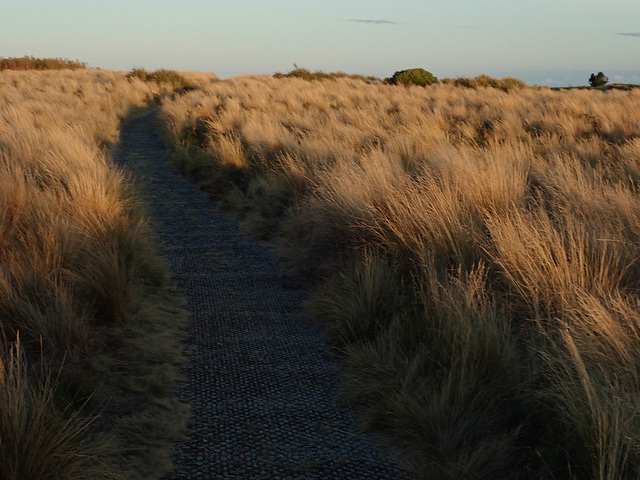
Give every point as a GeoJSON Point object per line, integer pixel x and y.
{"type": "Point", "coordinates": [263, 390]}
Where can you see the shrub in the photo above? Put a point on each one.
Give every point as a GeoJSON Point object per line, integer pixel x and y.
{"type": "Point", "coordinates": [413, 76]}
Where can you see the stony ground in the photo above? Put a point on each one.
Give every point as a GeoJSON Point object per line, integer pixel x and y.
{"type": "Point", "coordinates": [263, 391]}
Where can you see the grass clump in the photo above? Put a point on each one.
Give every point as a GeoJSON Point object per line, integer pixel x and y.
{"type": "Point", "coordinates": [139, 73]}
{"type": "Point", "coordinates": [473, 253]}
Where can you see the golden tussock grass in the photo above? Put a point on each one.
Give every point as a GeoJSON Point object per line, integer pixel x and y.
{"type": "Point", "coordinates": [474, 253]}
{"type": "Point", "coordinates": [83, 307]}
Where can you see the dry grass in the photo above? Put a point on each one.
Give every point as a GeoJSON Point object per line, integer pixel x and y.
{"type": "Point", "coordinates": [474, 250]}
{"type": "Point", "coordinates": [90, 339]}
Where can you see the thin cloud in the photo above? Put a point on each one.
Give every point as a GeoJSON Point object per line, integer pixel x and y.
{"type": "Point", "coordinates": [374, 22]}
{"type": "Point", "coordinates": [630, 34]}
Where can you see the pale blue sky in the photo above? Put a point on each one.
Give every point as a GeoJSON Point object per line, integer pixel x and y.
{"type": "Point", "coordinates": [553, 42]}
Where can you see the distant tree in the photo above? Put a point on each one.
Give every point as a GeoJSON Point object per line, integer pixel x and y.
{"type": "Point", "coordinates": [599, 80]}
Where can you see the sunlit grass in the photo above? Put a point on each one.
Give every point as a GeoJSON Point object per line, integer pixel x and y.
{"type": "Point", "coordinates": [78, 271]}
{"type": "Point", "coordinates": [474, 252]}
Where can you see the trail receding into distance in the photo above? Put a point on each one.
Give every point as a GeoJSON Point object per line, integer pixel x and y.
{"type": "Point", "coordinates": [263, 391]}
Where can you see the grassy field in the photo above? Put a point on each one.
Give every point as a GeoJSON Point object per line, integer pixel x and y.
{"type": "Point", "coordinates": [473, 253]}
{"type": "Point", "coordinates": [90, 330]}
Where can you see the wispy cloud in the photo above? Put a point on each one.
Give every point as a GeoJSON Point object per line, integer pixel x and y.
{"type": "Point", "coordinates": [630, 34]}
{"type": "Point", "coordinates": [374, 22]}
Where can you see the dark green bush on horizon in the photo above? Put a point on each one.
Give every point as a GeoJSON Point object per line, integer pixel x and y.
{"type": "Point", "coordinates": [413, 76]}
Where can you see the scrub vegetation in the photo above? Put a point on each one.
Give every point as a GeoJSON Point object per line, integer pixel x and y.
{"type": "Point", "coordinates": [305, 74]}
{"type": "Point", "coordinates": [507, 84]}
{"type": "Point", "coordinates": [89, 328]}
{"type": "Point", "coordinates": [162, 76]}
{"type": "Point", "coordinates": [474, 255]}
{"type": "Point", "coordinates": [33, 63]}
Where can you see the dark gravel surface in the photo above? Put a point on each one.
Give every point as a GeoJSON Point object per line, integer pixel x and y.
{"type": "Point", "coordinates": [263, 390]}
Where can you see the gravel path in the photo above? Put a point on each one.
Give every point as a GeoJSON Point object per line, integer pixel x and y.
{"type": "Point", "coordinates": [263, 391]}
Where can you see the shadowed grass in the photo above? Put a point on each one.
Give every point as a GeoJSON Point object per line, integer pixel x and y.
{"type": "Point", "coordinates": [40, 439]}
